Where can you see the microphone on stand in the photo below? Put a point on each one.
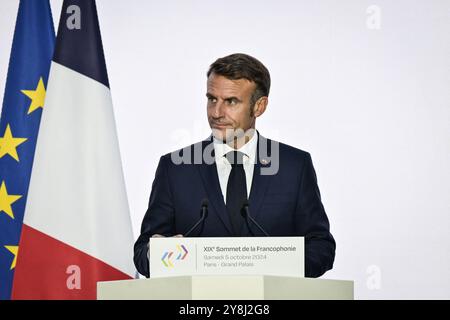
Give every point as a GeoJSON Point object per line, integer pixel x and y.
{"type": "Point", "coordinates": [203, 215]}
{"type": "Point", "coordinates": [247, 216]}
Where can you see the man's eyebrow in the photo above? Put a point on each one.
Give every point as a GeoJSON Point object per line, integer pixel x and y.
{"type": "Point", "coordinates": [210, 96]}
{"type": "Point", "coordinates": [233, 98]}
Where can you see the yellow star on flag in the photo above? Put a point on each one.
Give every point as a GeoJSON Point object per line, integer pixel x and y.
{"type": "Point", "coordinates": [14, 250]}
{"type": "Point", "coordinates": [8, 144]}
{"type": "Point", "coordinates": [37, 96]}
{"type": "Point", "coordinates": [6, 200]}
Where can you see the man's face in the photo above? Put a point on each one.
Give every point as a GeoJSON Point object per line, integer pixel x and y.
{"type": "Point", "coordinates": [229, 106]}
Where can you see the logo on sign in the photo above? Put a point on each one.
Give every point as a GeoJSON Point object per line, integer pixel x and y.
{"type": "Point", "coordinates": [168, 258]}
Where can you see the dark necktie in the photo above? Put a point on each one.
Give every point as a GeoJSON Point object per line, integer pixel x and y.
{"type": "Point", "coordinates": [236, 189]}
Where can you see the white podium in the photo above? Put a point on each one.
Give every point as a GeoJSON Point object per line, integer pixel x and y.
{"type": "Point", "coordinates": [226, 288]}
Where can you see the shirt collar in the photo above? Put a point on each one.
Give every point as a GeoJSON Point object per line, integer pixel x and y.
{"type": "Point", "coordinates": [248, 149]}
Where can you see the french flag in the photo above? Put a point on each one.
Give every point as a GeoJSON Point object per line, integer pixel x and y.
{"type": "Point", "coordinates": [77, 227]}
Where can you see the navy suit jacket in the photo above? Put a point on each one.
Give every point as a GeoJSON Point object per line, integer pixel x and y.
{"type": "Point", "coordinates": [287, 203]}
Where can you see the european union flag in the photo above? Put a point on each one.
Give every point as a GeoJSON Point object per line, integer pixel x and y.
{"type": "Point", "coordinates": [23, 102]}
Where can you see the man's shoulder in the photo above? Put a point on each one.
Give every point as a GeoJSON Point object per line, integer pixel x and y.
{"type": "Point", "coordinates": [289, 160]}
{"type": "Point", "coordinates": [287, 150]}
{"type": "Point", "coordinates": [196, 152]}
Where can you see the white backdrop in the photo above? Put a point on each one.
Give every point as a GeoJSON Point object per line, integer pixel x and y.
{"type": "Point", "coordinates": [362, 85]}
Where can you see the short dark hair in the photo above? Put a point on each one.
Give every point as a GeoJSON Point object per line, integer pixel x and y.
{"type": "Point", "coordinates": [242, 66]}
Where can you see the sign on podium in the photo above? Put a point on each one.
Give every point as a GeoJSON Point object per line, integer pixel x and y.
{"type": "Point", "coordinates": [276, 256]}
{"type": "Point", "coordinates": [226, 269]}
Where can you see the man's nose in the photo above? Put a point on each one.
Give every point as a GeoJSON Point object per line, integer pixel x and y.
{"type": "Point", "coordinates": [218, 110]}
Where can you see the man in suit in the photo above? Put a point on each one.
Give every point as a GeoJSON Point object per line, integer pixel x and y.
{"type": "Point", "coordinates": [234, 164]}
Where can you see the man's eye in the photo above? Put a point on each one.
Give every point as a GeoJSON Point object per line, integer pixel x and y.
{"type": "Point", "coordinates": [214, 100]}
{"type": "Point", "coordinates": [232, 102]}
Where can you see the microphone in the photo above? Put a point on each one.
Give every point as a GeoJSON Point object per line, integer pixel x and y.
{"type": "Point", "coordinates": [203, 215]}
{"type": "Point", "coordinates": [246, 214]}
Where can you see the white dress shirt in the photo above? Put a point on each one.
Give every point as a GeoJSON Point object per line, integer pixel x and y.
{"type": "Point", "coordinates": [224, 167]}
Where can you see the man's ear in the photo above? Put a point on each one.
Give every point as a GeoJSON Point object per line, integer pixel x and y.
{"type": "Point", "coordinates": [260, 106]}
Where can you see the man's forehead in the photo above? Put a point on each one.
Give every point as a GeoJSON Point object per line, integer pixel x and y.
{"type": "Point", "coordinates": [221, 83]}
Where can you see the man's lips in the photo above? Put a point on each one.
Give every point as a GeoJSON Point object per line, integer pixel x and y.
{"type": "Point", "coordinates": [220, 126]}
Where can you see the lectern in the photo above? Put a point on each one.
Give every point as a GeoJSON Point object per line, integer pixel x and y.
{"type": "Point", "coordinates": [249, 287]}
{"type": "Point", "coordinates": [270, 268]}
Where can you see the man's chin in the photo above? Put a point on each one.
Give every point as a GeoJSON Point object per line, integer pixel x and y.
{"type": "Point", "coordinates": [228, 135]}
{"type": "Point", "coordinates": [219, 134]}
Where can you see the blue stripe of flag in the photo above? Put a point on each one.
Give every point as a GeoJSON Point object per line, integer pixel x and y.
{"type": "Point", "coordinates": [79, 43]}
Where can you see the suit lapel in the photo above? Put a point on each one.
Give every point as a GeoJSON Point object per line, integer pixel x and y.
{"type": "Point", "coordinates": [208, 173]}
{"type": "Point", "coordinates": [259, 182]}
